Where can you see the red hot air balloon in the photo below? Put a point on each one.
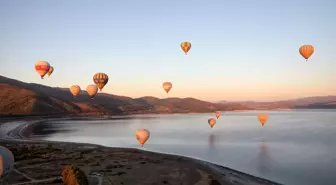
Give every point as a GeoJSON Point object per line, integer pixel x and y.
{"type": "Point", "coordinates": [42, 68]}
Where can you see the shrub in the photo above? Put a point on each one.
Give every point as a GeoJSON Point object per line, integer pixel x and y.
{"type": "Point", "coordinates": [72, 175]}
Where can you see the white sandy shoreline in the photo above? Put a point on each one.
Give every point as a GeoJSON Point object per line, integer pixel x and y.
{"type": "Point", "coordinates": [13, 130]}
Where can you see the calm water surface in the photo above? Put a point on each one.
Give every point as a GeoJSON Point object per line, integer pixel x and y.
{"type": "Point", "coordinates": [294, 147]}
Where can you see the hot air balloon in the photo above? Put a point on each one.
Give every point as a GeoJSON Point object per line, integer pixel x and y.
{"type": "Point", "coordinates": [42, 68]}
{"type": "Point", "coordinates": [100, 79]}
{"type": "Point", "coordinates": [6, 162]}
{"type": "Point", "coordinates": [217, 114]}
{"type": "Point", "coordinates": [185, 46]}
{"type": "Point", "coordinates": [92, 90]}
{"type": "Point", "coordinates": [167, 86]}
{"type": "Point", "coordinates": [75, 89]}
{"type": "Point", "coordinates": [306, 51]}
{"type": "Point", "coordinates": [51, 70]}
{"type": "Point", "coordinates": [263, 118]}
{"type": "Point", "coordinates": [212, 122]}
{"type": "Point", "coordinates": [142, 136]}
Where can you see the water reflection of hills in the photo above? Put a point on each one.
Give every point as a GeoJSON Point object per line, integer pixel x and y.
{"type": "Point", "coordinates": [132, 117]}
{"type": "Point", "coordinates": [45, 128]}
{"type": "Point", "coordinates": [49, 127]}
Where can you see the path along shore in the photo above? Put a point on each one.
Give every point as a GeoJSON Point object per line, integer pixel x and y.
{"type": "Point", "coordinates": [41, 162]}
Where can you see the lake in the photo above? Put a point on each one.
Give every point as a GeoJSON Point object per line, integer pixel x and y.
{"type": "Point", "coordinates": [295, 147]}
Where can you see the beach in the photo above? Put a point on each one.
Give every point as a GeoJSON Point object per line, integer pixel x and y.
{"type": "Point", "coordinates": [41, 162]}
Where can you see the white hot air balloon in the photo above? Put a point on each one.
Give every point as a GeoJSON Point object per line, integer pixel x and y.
{"type": "Point", "coordinates": [6, 162]}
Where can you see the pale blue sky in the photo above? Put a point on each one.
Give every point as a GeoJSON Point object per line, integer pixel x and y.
{"type": "Point", "coordinates": [241, 50]}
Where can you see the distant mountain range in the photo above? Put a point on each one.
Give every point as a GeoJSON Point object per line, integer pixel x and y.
{"type": "Point", "coordinates": [317, 102]}
{"type": "Point", "coordinates": [20, 98]}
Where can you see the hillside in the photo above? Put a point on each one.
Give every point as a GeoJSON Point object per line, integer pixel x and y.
{"type": "Point", "coordinates": [20, 98]}
{"type": "Point", "coordinates": [317, 102]}
{"type": "Point", "coordinates": [329, 105]}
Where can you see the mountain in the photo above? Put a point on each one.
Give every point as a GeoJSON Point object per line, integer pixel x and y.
{"type": "Point", "coordinates": [317, 102]}
{"type": "Point", "coordinates": [20, 98]}
{"type": "Point", "coordinates": [330, 105]}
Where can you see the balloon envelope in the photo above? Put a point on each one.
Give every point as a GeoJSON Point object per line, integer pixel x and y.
{"type": "Point", "coordinates": [6, 161]}
{"type": "Point", "coordinates": [263, 118]}
{"type": "Point", "coordinates": [167, 86]}
{"type": "Point", "coordinates": [100, 79]}
{"type": "Point", "coordinates": [306, 51]}
{"type": "Point", "coordinates": [42, 68]}
{"type": "Point", "coordinates": [212, 122]}
{"type": "Point", "coordinates": [217, 114]}
{"type": "Point", "coordinates": [92, 90]}
{"type": "Point", "coordinates": [185, 46]}
{"type": "Point", "coordinates": [75, 89]}
{"type": "Point", "coordinates": [51, 70]}
{"type": "Point", "coordinates": [142, 135]}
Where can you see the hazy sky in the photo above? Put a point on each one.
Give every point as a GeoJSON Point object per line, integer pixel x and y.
{"type": "Point", "coordinates": [241, 50]}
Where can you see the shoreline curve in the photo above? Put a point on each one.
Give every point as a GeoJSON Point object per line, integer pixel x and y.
{"type": "Point", "coordinates": [16, 130]}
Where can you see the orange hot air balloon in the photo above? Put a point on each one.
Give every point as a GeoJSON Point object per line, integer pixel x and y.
{"type": "Point", "coordinates": [75, 89]}
{"type": "Point", "coordinates": [263, 118]}
{"type": "Point", "coordinates": [51, 70]}
{"type": "Point", "coordinates": [185, 46]}
{"type": "Point", "coordinates": [100, 79]}
{"type": "Point", "coordinates": [212, 122]}
{"type": "Point", "coordinates": [167, 86]}
{"type": "Point", "coordinates": [217, 114]}
{"type": "Point", "coordinates": [142, 136]}
{"type": "Point", "coordinates": [306, 51]}
{"type": "Point", "coordinates": [92, 90]}
{"type": "Point", "coordinates": [42, 68]}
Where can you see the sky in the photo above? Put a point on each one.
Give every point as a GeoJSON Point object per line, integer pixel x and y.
{"type": "Point", "coordinates": [241, 50]}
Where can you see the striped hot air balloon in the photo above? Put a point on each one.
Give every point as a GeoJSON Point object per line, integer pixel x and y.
{"type": "Point", "coordinates": [185, 46]}
{"type": "Point", "coordinates": [212, 122]}
{"type": "Point", "coordinates": [100, 79]}
{"type": "Point", "coordinates": [42, 68]}
{"type": "Point", "coordinates": [306, 51]}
